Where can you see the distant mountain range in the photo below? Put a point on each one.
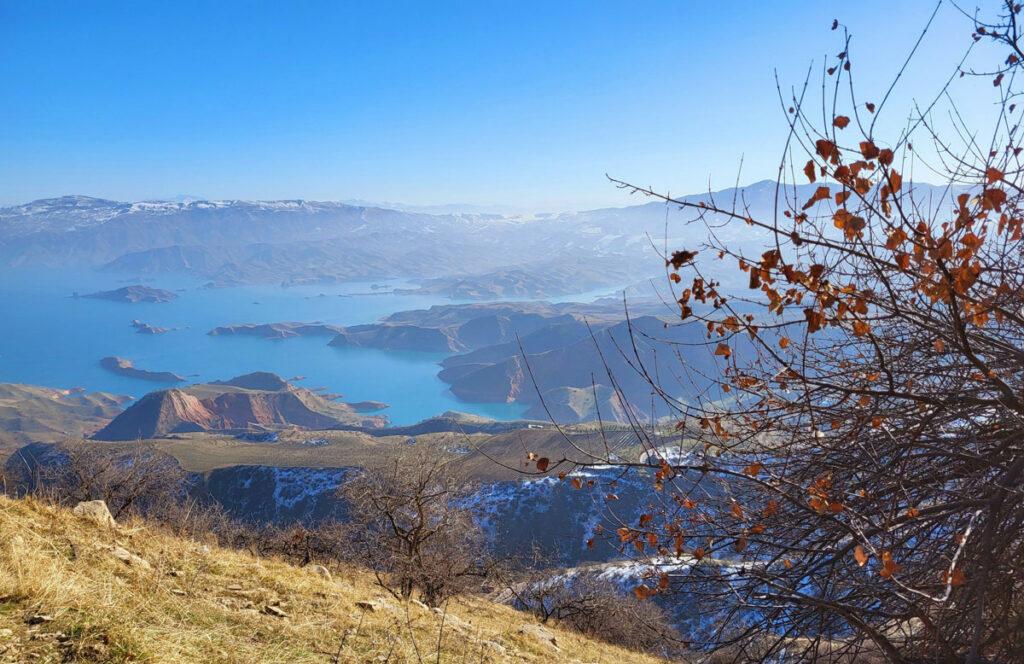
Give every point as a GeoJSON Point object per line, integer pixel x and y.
{"type": "Point", "coordinates": [451, 251]}
{"type": "Point", "coordinates": [466, 255]}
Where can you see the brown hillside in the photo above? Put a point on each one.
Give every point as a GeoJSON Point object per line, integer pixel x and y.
{"type": "Point", "coordinates": [72, 590]}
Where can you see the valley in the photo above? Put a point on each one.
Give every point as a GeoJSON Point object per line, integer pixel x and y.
{"type": "Point", "coordinates": [307, 351]}
{"type": "Point", "coordinates": [467, 333]}
{"type": "Point", "coordinates": [294, 478]}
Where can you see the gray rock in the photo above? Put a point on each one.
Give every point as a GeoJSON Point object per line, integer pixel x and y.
{"type": "Point", "coordinates": [320, 570]}
{"type": "Point", "coordinates": [540, 634]}
{"type": "Point", "coordinates": [494, 647]}
{"type": "Point", "coordinates": [95, 511]}
{"type": "Point", "coordinates": [275, 611]}
{"type": "Point", "coordinates": [129, 558]}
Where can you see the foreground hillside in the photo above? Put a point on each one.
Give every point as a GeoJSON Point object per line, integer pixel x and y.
{"type": "Point", "coordinates": [74, 590]}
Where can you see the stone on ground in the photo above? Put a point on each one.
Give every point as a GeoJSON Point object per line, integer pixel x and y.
{"type": "Point", "coordinates": [95, 511]}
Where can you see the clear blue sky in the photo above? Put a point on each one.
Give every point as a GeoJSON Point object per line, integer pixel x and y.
{"type": "Point", "coordinates": [521, 103]}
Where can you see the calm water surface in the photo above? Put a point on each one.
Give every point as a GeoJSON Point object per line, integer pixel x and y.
{"type": "Point", "coordinates": [49, 338]}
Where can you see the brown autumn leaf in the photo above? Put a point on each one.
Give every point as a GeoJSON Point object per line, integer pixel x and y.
{"type": "Point", "coordinates": [815, 320]}
{"type": "Point", "coordinates": [841, 121]}
{"type": "Point", "coordinates": [820, 194]}
{"type": "Point", "coordinates": [737, 510]}
{"type": "Point", "coordinates": [542, 464]}
{"type": "Point", "coordinates": [868, 149]}
{"type": "Point", "coordinates": [642, 592]}
{"type": "Point", "coordinates": [895, 181]}
{"type": "Point", "coordinates": [896, 238]}
{"type": "Point", "coordinates": [809, 171]}
{"type": "Point", "coordinates": [753, 469]}
{"type": "Point", "coordinates": [827, 150]}
{"type": "Point", "coordinates": [723, 350]}
{"type": "Point", "coordinates": [889, 566]}
{"type": "Point", "coordinates": [784, 342]}
{"type": "Point", "coordinates": [860, 555]}
{"type": "Point", "coordinates": [870, 107]}
{"type": "Point", "coordinates": [681, 258]}
{"type": "Point", "coordinates": [993, 175]}
{"type": "Point", "coordinates": [940, 345]}
{"type": "Point", "coordinates": [957, 578]}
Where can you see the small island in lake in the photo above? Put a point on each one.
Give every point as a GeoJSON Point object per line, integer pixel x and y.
{"type": "Point", "coordinates": [146, 328]}
{"type": "Point", "coordinates": [133, 295]}
{"type": "Point", "coordinates": [124, 367]}
{"type": "Point", "coordinates": [276, 330]}
{"type": "Point", "coordinates": [367, 406]}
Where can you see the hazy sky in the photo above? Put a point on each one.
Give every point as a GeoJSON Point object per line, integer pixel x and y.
{"type": "Point", "coordinates": [521, 103]}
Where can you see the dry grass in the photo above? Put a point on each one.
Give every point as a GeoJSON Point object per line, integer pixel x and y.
{"type": "Point", "coordinates": [204, 604]}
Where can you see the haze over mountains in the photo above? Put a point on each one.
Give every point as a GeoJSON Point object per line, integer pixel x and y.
{"type": "Point", "coordinates": [471, 255]}
{"type": "Point", "coordinates": [453, 254]}
{"type": "Point", "coordinates": [467, 255]}
{"type": "Point", "coordinates": [485, 302]}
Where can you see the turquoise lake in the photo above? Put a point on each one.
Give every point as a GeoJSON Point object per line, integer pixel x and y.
{"type": "Point", "coordinates": [49, 338]}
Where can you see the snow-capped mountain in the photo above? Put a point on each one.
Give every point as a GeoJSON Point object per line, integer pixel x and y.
{"type": "Point", "coordinates": [293, 241]}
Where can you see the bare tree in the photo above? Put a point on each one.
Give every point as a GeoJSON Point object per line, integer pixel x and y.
{"type": "Point", "coordinates": [132, 480]}
{"type": "Point", "coordinates": [598, 608]}
{"type": "Point", "coordinates": [867, 418]}
{"type": "Point", "coordinates": [409, 526]}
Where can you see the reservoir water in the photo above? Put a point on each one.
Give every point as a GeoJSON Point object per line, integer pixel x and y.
{"type": "Point", "coordinates": [51, 339]}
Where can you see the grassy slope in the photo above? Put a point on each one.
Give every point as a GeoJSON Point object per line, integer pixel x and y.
{"type": "Point", "coordinates": [200, 604]}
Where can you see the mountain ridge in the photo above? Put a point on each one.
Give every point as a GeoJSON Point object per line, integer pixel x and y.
{"type": "Point", "coordinates": [254, 401]}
